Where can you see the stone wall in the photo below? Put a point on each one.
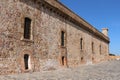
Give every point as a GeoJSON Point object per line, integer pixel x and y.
{"type": "Point", "coordinates": [44, 46]}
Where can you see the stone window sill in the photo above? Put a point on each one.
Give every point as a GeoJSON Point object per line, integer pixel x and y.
{"type": "Point", "coordinates": [28, 70]}
{"type": "Point", "coordinates": [81, 50]}
{"type": "Point", "coordinates": [27, 40]}
{"type": "Point", "coordinates": [63, 47]}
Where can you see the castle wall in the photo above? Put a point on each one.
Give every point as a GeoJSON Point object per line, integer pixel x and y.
{"type": "Point", "coordinates": [44, 47]}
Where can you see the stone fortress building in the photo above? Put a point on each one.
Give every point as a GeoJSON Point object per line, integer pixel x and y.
{"type": "Point", "coordinates": [38, 35]}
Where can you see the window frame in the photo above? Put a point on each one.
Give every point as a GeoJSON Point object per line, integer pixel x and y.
{"type": "Point", "coordinates": [27, 28]}
{"type": "Point", "coordinates": [31, 29]}
{"type": "Point", "coordinates": [63, 38]}
{"type": "Point", "coordinates": [100, 49]}
{"type": "Point", "coordinates": [81, 43]}
{"type": "Point", "coordinates": [92, 47]}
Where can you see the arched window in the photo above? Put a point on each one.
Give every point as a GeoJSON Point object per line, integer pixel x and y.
{"type": "Point", "coordinates": [26, 61]}
{"type": "Point", "coordinates": [27, 28]}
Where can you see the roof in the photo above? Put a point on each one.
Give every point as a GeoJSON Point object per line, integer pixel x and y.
{"type": "Point", "coordinates": [78, 19]}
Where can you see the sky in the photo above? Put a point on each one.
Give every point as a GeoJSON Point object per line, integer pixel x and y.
{"type": "Point", "coordinates": [100, 14]}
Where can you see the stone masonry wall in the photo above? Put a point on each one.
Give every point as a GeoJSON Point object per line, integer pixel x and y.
{"type": "Point", "coordinates": [44, 46]}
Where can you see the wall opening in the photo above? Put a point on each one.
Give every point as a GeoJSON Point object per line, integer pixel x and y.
{"type": "Point", "coordinates": [27, 28]}
{"type": "Point", "coordinates": [100, 49]}
{"type": "Point", "coordinates": [92, 47]}
{"type": "Point", "coordinates": [81, 43]}
{"type": "Point", "coordinates": [26, 61]}
{"type": "Point", "coordinates": [62, 38]}
{"type": "Point", "coordinates": [63, 60]}
{"type": "Point", "coordinates": [81, 59]}
{"type": "Point", "coordinates": [63, 56]}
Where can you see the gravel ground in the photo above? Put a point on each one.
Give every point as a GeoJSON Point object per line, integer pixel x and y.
{"type": "Point", "coordinates": [109, 70]}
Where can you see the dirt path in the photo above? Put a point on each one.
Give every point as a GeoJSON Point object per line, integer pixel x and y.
{"type": "Point", "coordinates": [103, 71]}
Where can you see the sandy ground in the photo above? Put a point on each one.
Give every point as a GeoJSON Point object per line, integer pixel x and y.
{"type": "Point", "coordinates": [109, 70]}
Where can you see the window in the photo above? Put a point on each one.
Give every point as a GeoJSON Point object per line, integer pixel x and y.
{"type": "Point", "coordinates": [92, 47]}
{"type": "Point", "coordinates": [100, 49]}
{"type": "Point", "coordinates": [81, 44]}
{"type": "Point", "coordinates": [81, 59]}
{"type": "Point", "coordinates": [63, 59]}
{"type": "Point", "coordinates": [62, 38]}
{"type": "Point", "coordinates": [26, 60]}
{"type": "Point", "coordinates": [27, 28]}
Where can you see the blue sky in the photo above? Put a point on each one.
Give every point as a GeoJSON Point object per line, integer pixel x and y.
{"type": "Point", "coordinates": [100, 14]}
